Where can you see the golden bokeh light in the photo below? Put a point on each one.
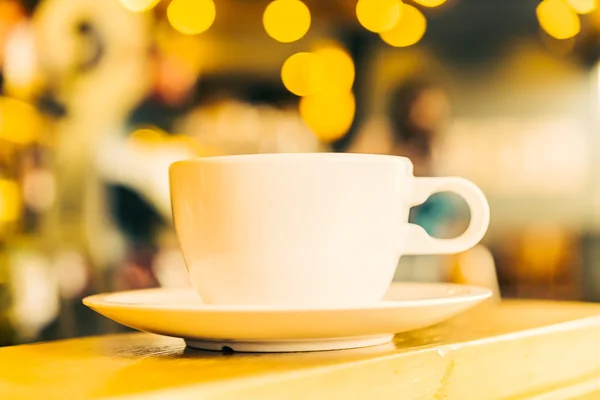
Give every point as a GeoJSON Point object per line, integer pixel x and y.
{"type": "Point", "coordinates": [10, 201]}
{"type": "Point", "coordinates": [409, 29]}
{"type": "Point", "coordinates": [155, 138]}
{"type": "Point", "coordinates": [583, 6]}
{"type": "Point", "coordinates": [339, 68]}
{"type": "Point", "coordinates": [328, 115]}
{"type": "Point", "coordinates": [191, 17]}
{"type": "Point", "coordinates": [558, 19]}
{"type": "Point", "coordinates": [147, 136]}
{"type": "Point", "coordinates": [430, 3]}
{"type": "Point", "coordinates": [286, 20]}
{"type": "Point", "coordinates": [20, 123]}
{"type": "Point", "coordinates": [379, 15]}
{"type": "Point", "coordinates": [139, 5]}
{"type": "Point", "coordinates": [303, 73]}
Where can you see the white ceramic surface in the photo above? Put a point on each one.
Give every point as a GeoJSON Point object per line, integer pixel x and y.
{"type": "Point", "coordinates": [310, 229]}
{"type": "Point", "coordinates": [180, 313]}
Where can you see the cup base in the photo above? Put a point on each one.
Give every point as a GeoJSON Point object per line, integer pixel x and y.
{"type": "Point", "coordinates": [288, 346]}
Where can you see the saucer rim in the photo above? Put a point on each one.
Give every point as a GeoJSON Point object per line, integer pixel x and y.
{"type": "Point", "coordinates": [472, 294]}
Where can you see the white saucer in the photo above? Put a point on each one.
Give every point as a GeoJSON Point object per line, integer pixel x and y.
{"type": "Point", "coordinates": [180, 313]}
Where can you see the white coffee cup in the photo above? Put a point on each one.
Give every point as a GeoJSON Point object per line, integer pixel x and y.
{"type": "Point", "coordinates": [307, 229]}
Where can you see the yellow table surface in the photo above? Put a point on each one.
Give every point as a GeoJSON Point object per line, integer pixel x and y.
{"type": "Point", "coordinates": [515, 349]}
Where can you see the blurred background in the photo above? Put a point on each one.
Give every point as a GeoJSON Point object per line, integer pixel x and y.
{"type": "Point", "coordinates": [98, 97]}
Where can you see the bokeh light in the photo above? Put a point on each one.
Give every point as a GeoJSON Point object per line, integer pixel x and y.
{"type": "Point", "coordinates": [157, 139]}
{"type": "Point", "coordinates": [191, 17]}
{"type": "Point", "coordinates": [430, 3]}
{"type": "Point", "coordinates": [147, 136]}
{"type": "Point", "coordinates": [20, 123]}
{"type": "Point", "coordinates": [286, 20]}
{"type": "Point", "coordinates": [378, 15]}
{"type": "Point", "coordinates": [10, 201]}
{"type": "Point", "coordinates": [21, 69]}
{"type": "Point", "coordinates": [583, 6]}
{"type": "Point", "coordinates": [303, 73]}
{"type": "Point", "coordinates": [328, 115]}
{"type": "Point", "coordinates": [558, 19]}
{"type": "Point", "coordinates": [339, 68]}
{"type": "Point", "coordinates": [139, 5]}
{"type": "Point", "coordinates": [409, 29]}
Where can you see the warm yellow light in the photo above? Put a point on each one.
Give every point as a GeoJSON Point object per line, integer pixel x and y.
{"type": "Point", "coordinates": [378, 15]}
{"type": "Point", "coordinates": [339, 68]}
{"type": "Point", "coordinates": [286, 20]}
{"type": "Point", "coordinates": [145, 136]}
{"type": "Point", "coordinates": [303, 74]}
{"type": "Point", "coordinates": [409, 29]}
{"type": "Point", "coordinates": [139, 5]}
{"type": "Point", "coordinates": [430, 3]}
{"type": "Point", "coordinates": [191, 17]}
{"type": "Point", "coordinates": [10, 201]}
{"type": "Point", "coordinates": [558, 19]}
{"type": "Point", "coordinates": [20, 122]}
{"type": "Point", "coordinates": [583, 6]}
{"type": "Point", "coordinates": [328, 115]}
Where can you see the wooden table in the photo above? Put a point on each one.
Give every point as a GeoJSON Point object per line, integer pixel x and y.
{"type": "Point", "coordinates": [516, 350]}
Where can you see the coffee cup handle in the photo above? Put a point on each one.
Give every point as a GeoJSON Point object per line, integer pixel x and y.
{"type": "Point", "coordinates": [418, 241]}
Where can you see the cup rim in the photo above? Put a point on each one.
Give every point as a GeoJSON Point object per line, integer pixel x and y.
{"type": "Point", "coordinates": [290, 157]}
